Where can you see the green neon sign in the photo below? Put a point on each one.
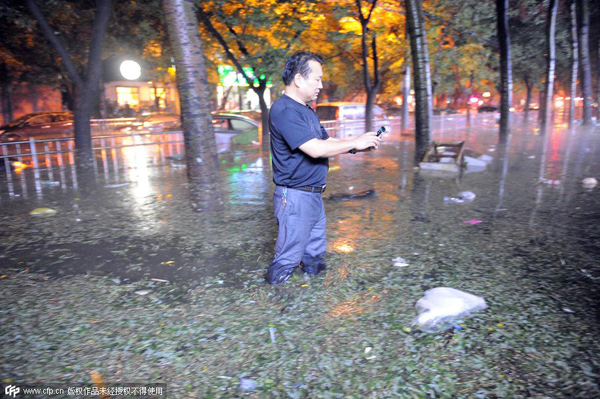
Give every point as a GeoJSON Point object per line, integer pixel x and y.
{"type": "Point", "coordinates": [228, 76]}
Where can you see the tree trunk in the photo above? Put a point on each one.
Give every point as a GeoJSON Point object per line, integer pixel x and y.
{"type": "Point", "coordinates": [85, 90]}
{"type": "Point", "coordinates": [586, 67]}
{"type": "Point", "coordinates": [194, 94]}
{"type": "Point", "coordinates": [574, 61]}
{"type": "Point", "coordinates": [416, 26]}
{"type": "Point", "coordinates": [405, 95]}
{"type": "Point", "coordinates": [370, 88]}
{"type": "Point", "coordinates": [264, 119]}
{"type": "Point", "coordinates": [7, 104]}
{"type": "Point", "coordinates": [529, 88]}
{"type": "Point", "coordinates": [598, 86]}
{"type": "Point", "coordinates": [506, 84]}
{"type": "Point", "coordinates": [551, 62]}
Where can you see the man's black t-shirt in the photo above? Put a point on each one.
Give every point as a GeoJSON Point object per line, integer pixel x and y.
{"type": "Point", "coordinates": [293, 124]}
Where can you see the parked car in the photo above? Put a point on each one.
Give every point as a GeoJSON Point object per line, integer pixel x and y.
{"type": "Point", "coordinates": [340, 111]}
{"type": "Point", "coordinates": [229, 128]}
{"type": "Point", "coordinates": [39, 125]}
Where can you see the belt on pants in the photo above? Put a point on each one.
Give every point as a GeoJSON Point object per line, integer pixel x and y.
{"type": "Point", "coordinates": [311, 189]}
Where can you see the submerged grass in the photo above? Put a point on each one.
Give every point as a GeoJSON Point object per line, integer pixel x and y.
{"type": "Point", "coordinates": [221, 332]}
{"type": "Point", "coordinates": [346, 334]}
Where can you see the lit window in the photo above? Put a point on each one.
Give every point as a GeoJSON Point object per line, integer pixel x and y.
{"type": "Point", "coordinates": [128, 95]}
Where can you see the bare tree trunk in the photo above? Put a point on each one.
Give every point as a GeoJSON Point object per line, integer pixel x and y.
{"type": "Point", "coordinates": [405, 95]}
{"type": "Point", "coordinates": [574, 61]}
{"type": "Point", "coordinates": [586, 67]}
{"type": "Point", "coordinates": [414, 15]}
{"type": "Point", "coordinates": [85, 89]}
{"type": "Point", "coordinates": [194, 94]}
{"type": "Point", "coordinates": [551, 62]}
{"type": "Point", "coordinates": [529, 88]}
{"type": "Point", "coordinates": [506, 84]}
{"type": "Point", "coordinates": [371, 89]}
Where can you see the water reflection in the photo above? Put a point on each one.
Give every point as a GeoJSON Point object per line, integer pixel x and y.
{"type": "Point", "coordinates": [139, 201]}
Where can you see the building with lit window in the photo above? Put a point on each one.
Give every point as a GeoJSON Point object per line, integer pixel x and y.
{"type": "Point", "coordinates": [130, 86]}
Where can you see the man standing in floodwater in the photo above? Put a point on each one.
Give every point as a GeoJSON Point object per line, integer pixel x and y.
{"type": "Point", "coordinates": [300, 149]}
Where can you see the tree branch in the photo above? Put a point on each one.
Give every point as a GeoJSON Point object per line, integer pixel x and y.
{"type": "Point", "coordinates": [56, 42]}
{"type": "Point", "coordinates": [206, 21]}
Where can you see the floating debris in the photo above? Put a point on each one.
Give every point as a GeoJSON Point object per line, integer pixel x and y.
{"type": "Point", "coordinates": [248, 384]}
{"type": "Point", "coordinates": [441, 304]}
{"type": "Point", "coordinates": [43, 212]}
{"type": "Point", "coordinates": [551, 182]}
{"type": "Point", "coordinates": [400, 262]}
{"type": "Point", "coordinates": [589, 182]}
{"type": "Point", "coordinates": [472, 221]}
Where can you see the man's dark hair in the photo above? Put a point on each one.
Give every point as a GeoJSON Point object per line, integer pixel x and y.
{"type": "Point", "coordinates": [298, 63]}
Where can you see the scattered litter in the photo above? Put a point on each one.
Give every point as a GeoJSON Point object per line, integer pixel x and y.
{"type": "Point", "coordinates": [367, 194]}
{"type": "Point", "coordinates": [368, 349]}
{"type": "Point", "coordinates": [492, 150]}
{"type": "Point", "coordinates": [588, 274]}
{"type": "Point", "coordinates": [178, 166]}
{"type": "Point", "coordinates": [474, 164]}
{"type": "Point", "coordinates": [117, 185]}
{"type": "Point", "coordinates": [589, 182]}
{"type": "Point", "coordinates": [334, 168]}
{"type": "Point", "coordinates": [43, 212]}
{"type": "Point", "coordinates": [272, 333]}
{"type": "Point", "coordinates": [168, 262]}
{"type": "Point", "coordinates": [371, 357]}
{"type": "Point", "coordinates": [466, 196]}
{"type": "Point", "coordinates": [143, 292]}
{"type": "Point", "coordinates": [247, 384]}
{"type": "Point", "coordinates": [159, 280]}
{"type": "Point", "coordinates": [351, 188]}
{"type": "Point", "coordinates": [400, 262]}
{"type": "Point", "coordinates": [440, 307]}
{"type": "Point", "coordinates": [77, 220]}
{"type": "Point", "coordinates": [415, 253]}
{"type": "Point", "coordinates": [51, 183]}
{"type": "Point", "coordinates": [473, 221]}
{"type": "Point", "coordinates": [224, 377]}
{"type": "Point", "coordinates": [568, 310]}
{"type": "Point", "coordinates": [531, 157]}
{"type": "Point", "coordinates": [117, 281]}
{"type": "Point", "coordinates": [562, 261]}
{"type": "Point", "coordinates": [551, 182]}
{"type": "Point", "coordinates": [176, 157]}
{"type": "Point", "coordinates": [453, 200]}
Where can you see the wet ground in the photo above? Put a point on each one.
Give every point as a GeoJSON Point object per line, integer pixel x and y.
{"type": "Point", "coordinates": [138, 220]}
{"type": "Point", "coordinates": [528, 243]}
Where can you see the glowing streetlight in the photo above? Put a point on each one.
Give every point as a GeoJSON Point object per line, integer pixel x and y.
{"type": "Point", "coordinates": [130, 70]}
{"type": "Point", "coordinates": [486, 94]}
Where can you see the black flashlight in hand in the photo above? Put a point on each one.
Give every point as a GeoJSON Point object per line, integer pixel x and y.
{"type": "Point", "coordinates": [379, 133]}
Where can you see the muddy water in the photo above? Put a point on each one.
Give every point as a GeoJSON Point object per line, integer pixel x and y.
{"type": "Point", "coordinates": [139, 219]}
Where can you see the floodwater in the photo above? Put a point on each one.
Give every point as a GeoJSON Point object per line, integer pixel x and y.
{"type": "Point", "coordinates": [134, 217]}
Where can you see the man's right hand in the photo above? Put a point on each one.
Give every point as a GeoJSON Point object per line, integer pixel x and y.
{"type": "Point", "coordinates": [367, 141]}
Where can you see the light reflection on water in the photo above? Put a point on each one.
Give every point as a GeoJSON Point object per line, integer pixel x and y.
{"type": "Point", "coordinates": [153, 210]}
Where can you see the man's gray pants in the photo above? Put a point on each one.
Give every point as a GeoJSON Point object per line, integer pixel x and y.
{"type": "Point", "coordinates": [301, 238]}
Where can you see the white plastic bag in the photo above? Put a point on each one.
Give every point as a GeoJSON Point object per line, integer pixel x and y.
{"type": "Point", "coordinates": [441, 305]}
